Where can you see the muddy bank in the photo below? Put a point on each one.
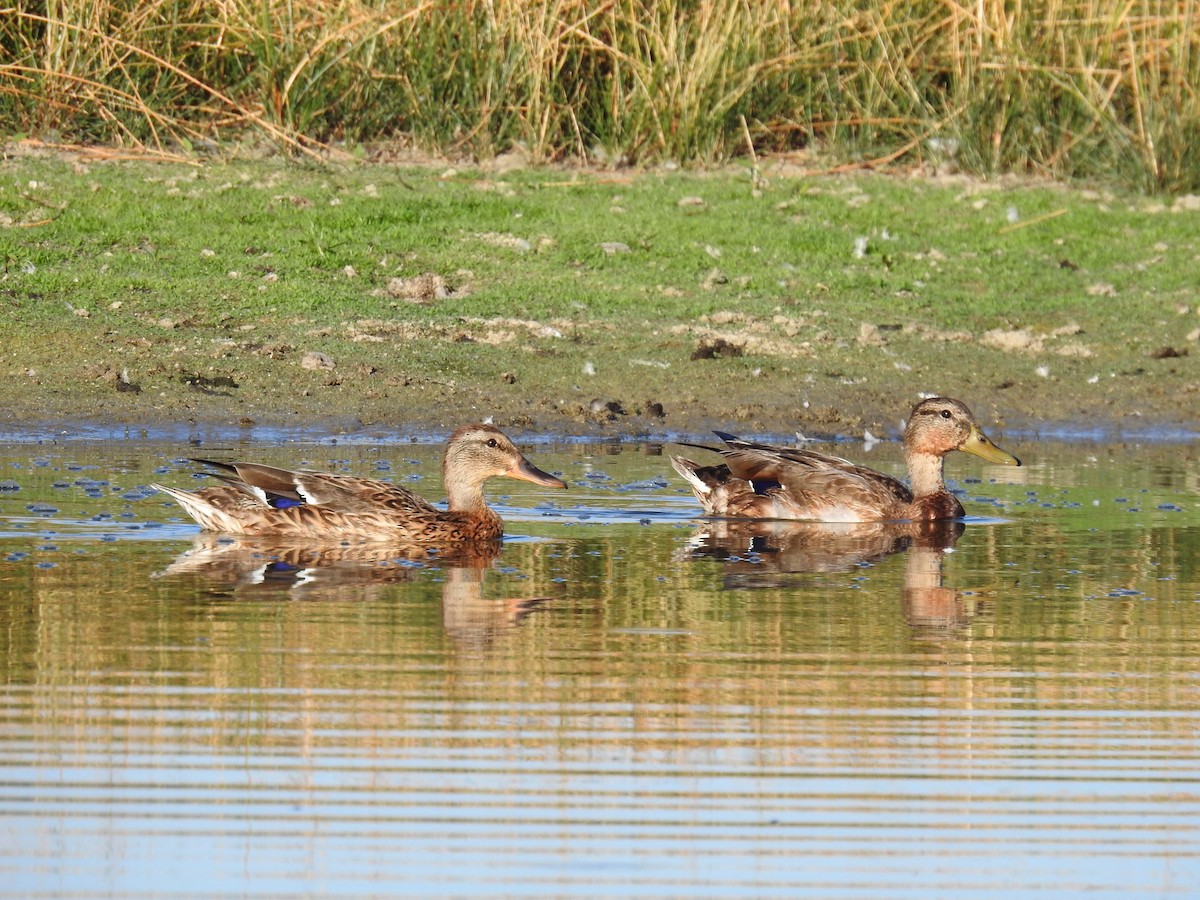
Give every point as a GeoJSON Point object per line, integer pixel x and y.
{"type": "Point", "coordinates": [746, 375]}
{"type": "Point", "coordinates": [249, 406]}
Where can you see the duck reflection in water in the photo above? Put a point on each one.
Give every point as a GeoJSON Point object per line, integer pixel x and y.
{"type": "Point", "coordinates": [247, 568]}
{"type": "Point", "coordinates": [927, 605]}
{"type": "Point", "coordinates": [768, 553]}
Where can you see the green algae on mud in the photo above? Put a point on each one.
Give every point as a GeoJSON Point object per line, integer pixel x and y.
{"type": "Point", "coordinates": [266, 294]}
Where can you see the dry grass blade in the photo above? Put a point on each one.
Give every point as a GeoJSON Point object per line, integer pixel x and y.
{"type": "Point", "coordinates": [1073, 88]}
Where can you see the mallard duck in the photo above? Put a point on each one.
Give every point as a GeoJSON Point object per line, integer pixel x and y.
{"type": "Point", "coordinates": [264, 500]}
{"type": "Point", "coordinates": [760, 481]}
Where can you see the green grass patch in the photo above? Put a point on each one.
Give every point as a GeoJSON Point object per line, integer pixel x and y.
{"type": "Point", "coordinates": [850, 294]}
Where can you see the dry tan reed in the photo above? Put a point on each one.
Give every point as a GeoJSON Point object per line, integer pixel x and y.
{"type": "Point", "coordinates": [1065, 86]}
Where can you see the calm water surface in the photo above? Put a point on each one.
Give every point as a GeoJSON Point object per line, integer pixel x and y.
{"type": "Point", "coordinates": [625, 701]}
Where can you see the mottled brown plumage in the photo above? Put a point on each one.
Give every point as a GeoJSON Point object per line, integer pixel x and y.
{"type": "Point", "coordinates": [761, 481]}
{"type": "Point", "coordinates": [264, 500]}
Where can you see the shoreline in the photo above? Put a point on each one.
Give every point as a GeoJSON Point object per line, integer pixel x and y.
{"type": "Point", "coordinates": [28, 428]}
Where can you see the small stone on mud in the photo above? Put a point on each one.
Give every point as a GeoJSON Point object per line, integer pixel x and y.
{"type": "Point", "coordinates": [610, 407]}
{"type": "Point", "coordinates": [120, 381]}
{"type": "Point", "coordinates": [1168, 353]}
{"type": "Point", "coordinates": [274, 351]}
{"type": "Point", "coordinates": [315, 359]}
{"type": "Point", "coordinates": [717, 348]}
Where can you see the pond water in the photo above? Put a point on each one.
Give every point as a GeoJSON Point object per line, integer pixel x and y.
{"type": "Point", "coordinates": [625, 701]}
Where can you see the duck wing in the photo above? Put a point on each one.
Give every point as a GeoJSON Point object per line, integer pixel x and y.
{"type": "Point", "coordinates": [284, 488]}
{"type": "Point", "coordinates": [815, 485]}
{"type": "Point", "coordinates": [722, 494]}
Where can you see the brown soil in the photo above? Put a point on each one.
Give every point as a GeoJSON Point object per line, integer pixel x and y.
{"type": "Point", "coordinates": [844, 392]}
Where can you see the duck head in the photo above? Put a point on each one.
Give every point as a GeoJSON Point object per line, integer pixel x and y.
{"type": "Point", "coordinates": [476, 453]}
{"type": "Point", "coordinates": [940, 424]}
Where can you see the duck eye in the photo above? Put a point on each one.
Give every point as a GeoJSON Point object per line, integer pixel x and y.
{"type": "Point", "coordinates": [945, 413]}
{"type": "Point", "coordinates": [492, 442]}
